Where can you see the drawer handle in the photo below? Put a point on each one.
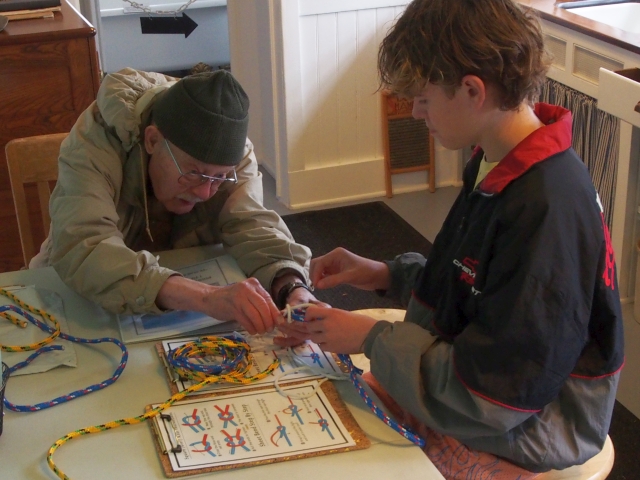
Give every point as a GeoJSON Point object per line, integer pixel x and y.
{"type": "Point", "coordinates": [637, 109]}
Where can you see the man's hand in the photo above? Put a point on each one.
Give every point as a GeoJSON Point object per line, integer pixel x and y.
{"type": "Point", "coordinates": [341, 266]}
{"type": "Point", "coordinates": [332, 329]}
{"type": "Point", "coordinates": [247, 302]}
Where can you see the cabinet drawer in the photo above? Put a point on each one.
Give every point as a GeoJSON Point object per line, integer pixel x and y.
{"type": "Point", "coordinates": [619, 94]}
{"type": "Point", "coordinates": [44, 87]}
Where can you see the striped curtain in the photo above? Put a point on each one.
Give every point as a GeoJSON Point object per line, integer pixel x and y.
{"type": "Point", "coordinates": [596, 138]}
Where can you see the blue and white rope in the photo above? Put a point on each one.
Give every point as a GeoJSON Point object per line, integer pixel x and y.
{"type": "Point", "coordinates": [56, 331]}
{"type": "Point", "coordinates": [232, 356]}
{"type": "Point", "coordinates": [297, 314]}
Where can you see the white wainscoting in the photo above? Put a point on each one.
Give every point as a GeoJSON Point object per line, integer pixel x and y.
{"type": "Point", "coordinates": [309, 68]}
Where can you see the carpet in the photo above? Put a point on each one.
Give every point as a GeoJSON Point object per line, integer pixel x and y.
{"type": "Point", "coordinates": [372, 230]}
{"type": "Point", "coordinates": [375, 231]}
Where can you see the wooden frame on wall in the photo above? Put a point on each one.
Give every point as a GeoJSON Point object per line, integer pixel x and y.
{"type": "Point", "coordinates": [408, 146]}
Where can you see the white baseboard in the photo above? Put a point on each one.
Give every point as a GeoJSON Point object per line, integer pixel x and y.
{"type": "Point", "coordinates": [352, 182]}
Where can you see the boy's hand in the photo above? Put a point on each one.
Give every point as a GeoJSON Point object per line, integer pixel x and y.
{"type": "Point", "coordinates": [341, 266]}
{"type": "Point", "coordinates": [331, 329]}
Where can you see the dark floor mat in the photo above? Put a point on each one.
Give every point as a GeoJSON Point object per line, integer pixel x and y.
{"type": "Point", "coordinates": [371, 230]}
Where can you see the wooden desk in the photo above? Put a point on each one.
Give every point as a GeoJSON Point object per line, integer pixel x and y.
{"type": "Point", "coordinates": [128, 452]}
{"type": "Point", "coordinates": [48, 76]}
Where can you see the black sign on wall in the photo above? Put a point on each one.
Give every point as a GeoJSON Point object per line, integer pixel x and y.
{"type": "Point", "coordinates": [181, 24]}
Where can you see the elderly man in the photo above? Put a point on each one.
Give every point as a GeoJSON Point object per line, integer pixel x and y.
{"type": "Point", "coordinates": [157, 163]}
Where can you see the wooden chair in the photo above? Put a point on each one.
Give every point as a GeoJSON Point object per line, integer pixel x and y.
{"type": "Point", "coordinates": [32, 160]}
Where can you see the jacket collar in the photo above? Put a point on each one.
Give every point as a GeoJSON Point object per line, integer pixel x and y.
{"type": "Point", "coordinates": [553, 138]}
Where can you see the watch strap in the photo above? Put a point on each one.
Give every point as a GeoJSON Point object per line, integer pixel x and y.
{"type": "Point", "coordinates": [285, 291]}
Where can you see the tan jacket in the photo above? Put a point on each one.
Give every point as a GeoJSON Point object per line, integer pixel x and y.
{"type": "Point", "coordinates": [101, 214]}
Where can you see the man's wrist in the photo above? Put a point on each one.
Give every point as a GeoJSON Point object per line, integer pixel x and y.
{"type": "Point", "coordinates": [181, 293]}
{"type": "Point", "coordinates": [287, 275]}
{"type": "Point", "coordinates": [286, 290]}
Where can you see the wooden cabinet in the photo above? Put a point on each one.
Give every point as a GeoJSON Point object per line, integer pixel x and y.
{"type": "Point", "coordinates": [48, 75]}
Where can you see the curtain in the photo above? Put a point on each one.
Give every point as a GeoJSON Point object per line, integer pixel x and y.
{"type": "Point", "coordinates": [596, 138]}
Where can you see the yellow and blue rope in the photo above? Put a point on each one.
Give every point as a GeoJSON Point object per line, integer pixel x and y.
{"type": "Point", "coordinates": [234, 368]}
{"type": "Point", "coordinates": [233, 371]}
{"type": "Point", "coordinates": [10, 313]}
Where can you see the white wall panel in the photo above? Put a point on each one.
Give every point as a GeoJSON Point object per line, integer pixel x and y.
{"type": "Point", "coordinates": [328, 85]}
{"type": "Point", "coordinates": [367, 125]}
{"type": "Point", "coordinates": [289, 87]}
{"type": "Point", "coordinates": [319, 7]}
{"type": "Point", "coordinates": [347, 91]}
{"type": "Point", "coordinates": [325, 108]}
{"type": "Point", "coordinates": [338, 54]}
{"type": "Point", "coordinates": [311, 102]}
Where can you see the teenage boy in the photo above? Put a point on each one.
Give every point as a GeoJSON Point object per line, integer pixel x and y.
{"type": "Point", "coordinates": [512, 344]}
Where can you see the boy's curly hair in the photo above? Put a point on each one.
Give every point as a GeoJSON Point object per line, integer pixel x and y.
{"type": "Point", "coordinates": [441, 41]}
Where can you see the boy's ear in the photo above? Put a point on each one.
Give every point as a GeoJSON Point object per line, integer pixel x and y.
{"type": "Point", "coordinates": [151, 137]}
{"type": "Point", "coordinates": [475, 89]}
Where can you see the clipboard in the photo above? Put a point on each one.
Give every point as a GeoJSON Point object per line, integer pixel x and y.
{"type": "Point", "coordinates": [164, 448]}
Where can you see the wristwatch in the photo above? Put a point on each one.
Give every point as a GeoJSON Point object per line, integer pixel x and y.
{"type": "Point", "coordinates": [285, 291]}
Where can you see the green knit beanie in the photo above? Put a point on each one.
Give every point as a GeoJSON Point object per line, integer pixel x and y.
{"type": "Point", "coordinates": [205, 115]}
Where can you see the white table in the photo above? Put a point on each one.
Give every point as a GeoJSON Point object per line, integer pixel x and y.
{"type": "Point", "coordinates": [129, 452]}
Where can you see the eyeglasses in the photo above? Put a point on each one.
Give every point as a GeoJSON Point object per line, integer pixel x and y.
{"type": "Point", "coordinates": [195, 179]}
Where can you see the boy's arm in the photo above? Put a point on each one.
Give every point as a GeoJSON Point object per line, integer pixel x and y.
{"type": "Point", "coordinates": [404, 271]}
{"type": "Point", "coordinates": [418, 371]}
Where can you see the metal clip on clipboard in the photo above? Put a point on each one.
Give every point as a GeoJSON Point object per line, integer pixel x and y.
{"type": "Point", "coordinates": [175, 447]}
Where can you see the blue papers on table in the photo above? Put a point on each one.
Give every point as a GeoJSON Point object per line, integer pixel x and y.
{"type": "Point", "coordinates": [218, 271]}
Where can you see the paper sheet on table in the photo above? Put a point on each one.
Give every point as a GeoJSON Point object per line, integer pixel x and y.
{"type": "Point", "coordinates": [219, 271]}
{"type": "Point", "coordinates": [13, 335]}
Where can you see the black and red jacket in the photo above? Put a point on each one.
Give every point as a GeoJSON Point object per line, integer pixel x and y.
{"type": "Point", "coordinates": [513, 336]}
